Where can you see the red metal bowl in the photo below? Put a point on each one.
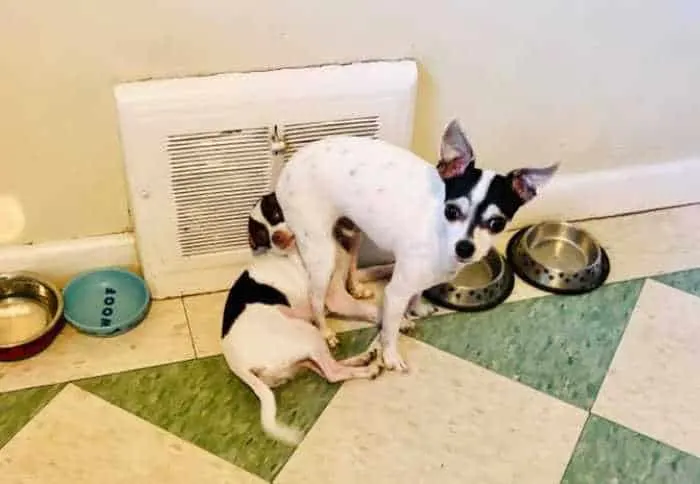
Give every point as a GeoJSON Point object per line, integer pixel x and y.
{"type": "Point", "coordinates": [31, 315]}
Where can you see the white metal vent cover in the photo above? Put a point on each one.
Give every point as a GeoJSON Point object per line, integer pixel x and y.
{"type": "Point", "coordinates": [199, 152]}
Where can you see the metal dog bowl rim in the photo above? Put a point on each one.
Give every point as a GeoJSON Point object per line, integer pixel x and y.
{"type": "Point", "coordinates": [508, 276]}
{"type": "Point", "coordinates": [510, 256]}
{"type": "Point", "coordinates": [40, 341]}
{"type": "Point", "coordinates": [140, 315]}
{"type": "Point", "coordinates": [567, 225]}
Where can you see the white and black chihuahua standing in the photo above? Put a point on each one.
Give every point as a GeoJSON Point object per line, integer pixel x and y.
{"type": "Point", "coordinates": [267, 334]}
{"type": "Point", "coordinates": [434, 221]}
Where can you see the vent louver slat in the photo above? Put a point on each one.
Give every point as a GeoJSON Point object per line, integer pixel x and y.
{"type": "Point", "coordinates": [296, 135]}
{"type": "Point", "coordinates": [216, 178]}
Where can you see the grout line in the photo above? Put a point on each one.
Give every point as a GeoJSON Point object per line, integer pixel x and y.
{"type": "Point", "coordinates": [189, 326]}
{"type": "Point", "coordinates": [59, 388]}
{"type": "Point", "coordinates": [637, 212]}
{"type": "Point", "coordinates": [573, 451]}
{"type": "Point", "coordinates": [620, 340]}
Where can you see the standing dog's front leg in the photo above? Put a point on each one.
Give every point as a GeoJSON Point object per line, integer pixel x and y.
{"type": "Point", "coordinates": [396, 298]}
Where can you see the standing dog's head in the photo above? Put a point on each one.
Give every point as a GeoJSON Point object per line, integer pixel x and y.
{"type": "Point", "coordinates": [267, 229]}
{"type": "Point", "coordinates": [480, 203]}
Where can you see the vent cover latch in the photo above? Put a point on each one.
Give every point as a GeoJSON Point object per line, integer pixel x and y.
{"type": "Point", "coordinates": [278, 149]}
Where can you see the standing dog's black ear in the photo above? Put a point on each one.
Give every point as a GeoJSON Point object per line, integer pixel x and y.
{"type": "Point", "coordinates": [456, 154]}
{"type": "Point", "coordinates": [526, 181]}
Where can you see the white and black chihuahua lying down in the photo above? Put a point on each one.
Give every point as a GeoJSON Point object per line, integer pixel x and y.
{"type": "Point", "coordinates": [267, 335]}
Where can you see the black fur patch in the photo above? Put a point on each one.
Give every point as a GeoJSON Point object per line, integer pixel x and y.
{"type": "Point", "coordinates": [248, 291]}
{"type": "Point", "coordinates": [345, 232]}
{"type": "Point", "coordinates": [258, 235]}
{"type": "Point", "coordinates": [500, 193]}
{"type": "Point", "coordinates": [271, 210]}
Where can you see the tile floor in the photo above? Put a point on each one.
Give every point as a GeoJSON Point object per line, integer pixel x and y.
{"type": "Point", "coordinates": [599, 388]}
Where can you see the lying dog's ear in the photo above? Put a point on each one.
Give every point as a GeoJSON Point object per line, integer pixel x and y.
{"type": "Point", "coordinates": [271, 210]}
{"type": "Point", "coordinates": [526, 181]}
{"type": "Point", "coordinates": [258, 235]}
{"type": "Point", "coordinates": [456, 154]}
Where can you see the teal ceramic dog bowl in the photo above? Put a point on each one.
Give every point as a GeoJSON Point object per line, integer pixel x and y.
{"type": "Point", "coordinates": [106, 302]}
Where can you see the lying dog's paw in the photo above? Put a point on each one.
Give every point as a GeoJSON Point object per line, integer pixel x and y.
{"type": "Point", "coordinates": [363, 359]}
{"type": "Point", "coordinates": [407, 325]}
{"type": "Point", "coordinates": [372, 354]}
{"type": "Point", "coordinates": [377, 370]}
{"type": "Point", "coordinates": [360, 291]}
{"type": "Point", "coordinates": [421, 309]}
{"type": "Point", "coordinates": [330, 337]}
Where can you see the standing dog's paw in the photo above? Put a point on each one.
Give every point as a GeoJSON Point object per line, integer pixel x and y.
{"type": "Point", "coordinates": [330, 337]}
{"type": "Point", "coordinates": [421, 309]}
{"type": "Point", "coordinates": [392, 360]}
{"type": "Point", "coordinates": [360, 291]}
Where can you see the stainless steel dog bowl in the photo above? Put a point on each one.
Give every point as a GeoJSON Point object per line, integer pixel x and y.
{"type": "Point", "coordinates": [558, 257]}
{"type": "Point", "coordinates": [477, 287]}
{"type": "Point", "coordinates": [31, 315]}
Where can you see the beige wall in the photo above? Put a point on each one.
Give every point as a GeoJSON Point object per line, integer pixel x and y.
{"type": "Point", "coordinates": [595, 83]}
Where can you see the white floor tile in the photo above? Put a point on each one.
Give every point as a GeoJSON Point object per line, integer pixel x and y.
{"type": "Point", "coordinates": [653, 385]}
{"type": "Point", "coordinates": [449, 421]}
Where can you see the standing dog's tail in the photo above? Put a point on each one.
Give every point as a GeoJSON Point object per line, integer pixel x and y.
{"type": "Point", "coordinates": [268, 410]}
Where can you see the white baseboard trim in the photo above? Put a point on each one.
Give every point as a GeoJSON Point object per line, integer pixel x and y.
{"type": "Point", "coordinates": [569, 197]}
{"type": "Point", "coordinates": [61, 260]}
{"type": "Point", "coordinates": [619, 191]}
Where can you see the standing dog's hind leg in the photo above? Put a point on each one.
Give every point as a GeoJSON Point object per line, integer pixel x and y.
{"type": "Point", "coordinates": [349, 238]}
{"type": "Point", "coordinates": [375, 273]}
{"type": "Point", "coordinates": [340, 302]}
{"type": "Point", "coordinates": [354, 283]}
{"type": "Point", "coordinates": [319, 260]}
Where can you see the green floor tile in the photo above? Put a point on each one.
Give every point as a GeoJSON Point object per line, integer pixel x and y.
{"type": "Point", "coordinates": [17, 408]}
{"type": "Point", "coordinates": [203, 402]}
{"type": "Point", "coordinates": [562, 345]}
{"type": "Point", "coordinates": [688, 281]}
{"type": "Point", "coordinates": [607, 452]}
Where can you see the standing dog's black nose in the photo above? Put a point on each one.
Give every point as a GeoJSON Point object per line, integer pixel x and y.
{"type": "Point", "coordinates": [464, 249]}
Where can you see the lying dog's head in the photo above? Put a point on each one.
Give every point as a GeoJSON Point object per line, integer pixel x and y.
{"type": "Point", "coordinates": [480, 203]}
{"type": "Point", "coordinates": [267, 229]}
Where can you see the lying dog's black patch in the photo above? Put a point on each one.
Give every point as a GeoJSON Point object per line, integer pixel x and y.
{"type": "Point", "coordinates": [248, 291]}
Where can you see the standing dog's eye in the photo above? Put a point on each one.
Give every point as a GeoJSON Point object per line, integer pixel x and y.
{"type": "Point", "coordinates": [496, 225]}
{"type": "Point", "coordinates": [452, 213]}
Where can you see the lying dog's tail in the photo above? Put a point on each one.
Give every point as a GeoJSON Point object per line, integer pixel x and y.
{"type": "Point", "coordinates": [268, 410]}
